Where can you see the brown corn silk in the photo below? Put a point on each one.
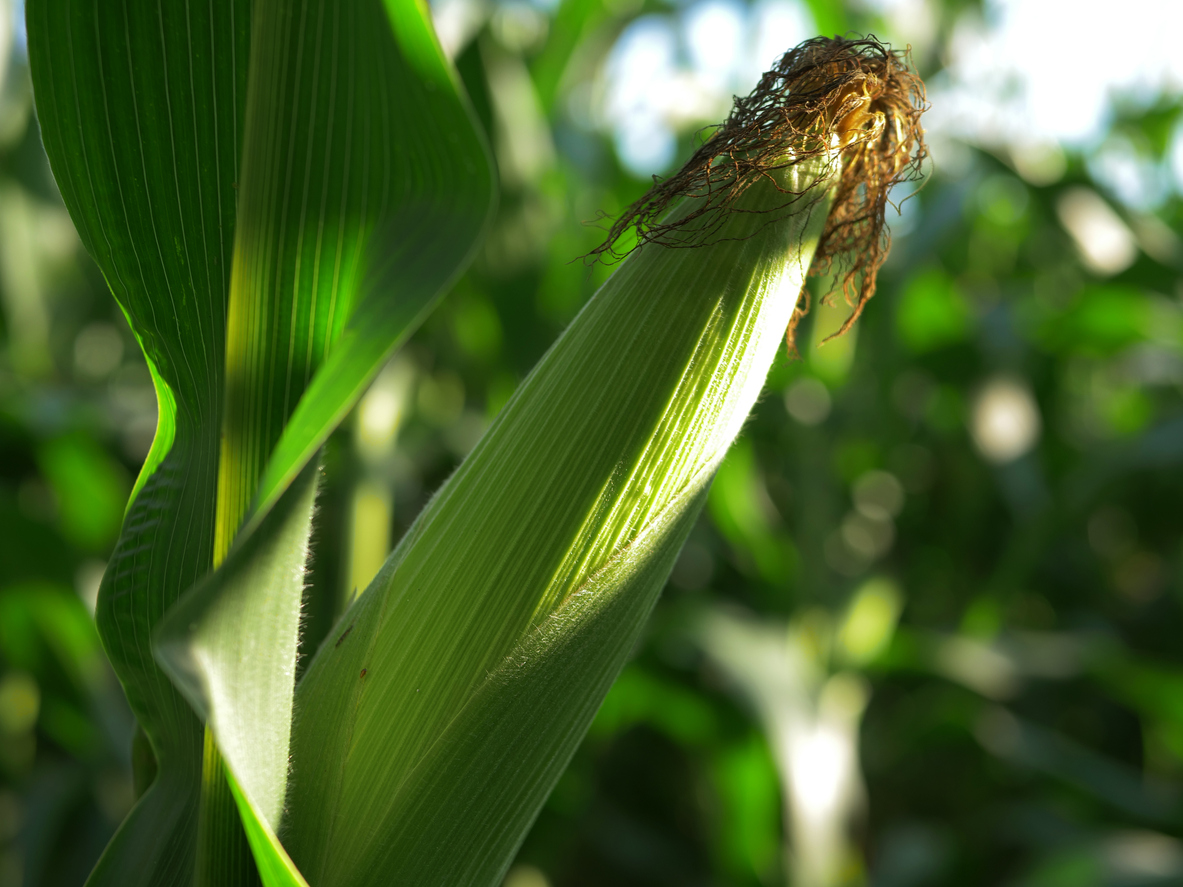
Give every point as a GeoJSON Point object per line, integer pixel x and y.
{"type": "Point", "coordinates": [855, 105]}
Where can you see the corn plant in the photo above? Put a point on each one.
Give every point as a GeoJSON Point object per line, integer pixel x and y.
{"type": "Point", "coordinates": [276, 193]}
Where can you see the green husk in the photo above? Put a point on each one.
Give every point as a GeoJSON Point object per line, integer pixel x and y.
{"type": "Point", "coordinates": [595, 468]}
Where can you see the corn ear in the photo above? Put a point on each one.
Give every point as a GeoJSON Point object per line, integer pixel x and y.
{"type": "Point", "coordinates": [438, 715]}
{"type": "Point", "coordinates": [465, 675]}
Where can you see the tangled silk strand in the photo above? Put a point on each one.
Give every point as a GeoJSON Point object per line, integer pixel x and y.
{"type": "Point", "coordinates": [856, 103]}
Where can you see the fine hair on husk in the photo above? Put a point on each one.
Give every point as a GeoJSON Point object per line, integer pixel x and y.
{"type": "Point", "coordinates": [855, 103]}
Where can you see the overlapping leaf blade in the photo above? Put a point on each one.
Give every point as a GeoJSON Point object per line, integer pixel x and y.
{"type": "Point", "coordinates": [229, 646]}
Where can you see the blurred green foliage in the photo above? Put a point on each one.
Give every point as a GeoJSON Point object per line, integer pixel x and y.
{"type": "Point", "coordinates": [994, 457]}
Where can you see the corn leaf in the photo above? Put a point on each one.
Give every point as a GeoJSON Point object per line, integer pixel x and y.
{"type": "Point", "coordinates": [262, 291]}
{"type": "Point", "coordinates": [365, 187]}
{"type": "Point", "coordinates": [229, 647]}
{"type": "Point", "coordinates": [436, 718]}
{"type": "Point", "coordinates": [349, 224]}
{"type": "Point", "coordinates": [141, 109]}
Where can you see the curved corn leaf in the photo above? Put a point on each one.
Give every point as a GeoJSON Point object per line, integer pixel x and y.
{"type": "Point", "coordinates": [439, 714]}
{"type": "Point", "coordinates": [363, 188]}
{"type": "Point", "coordinates": [140, 107]}
{"type": "Point", "coordinates": [365, 185]}
{"type": "Point", "coordinates": [428, 169]}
